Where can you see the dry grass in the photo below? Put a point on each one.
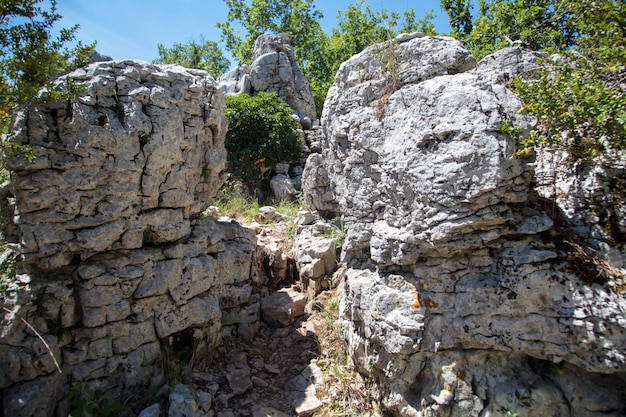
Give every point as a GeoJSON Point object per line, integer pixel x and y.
{"type": "Point", "coordinates": [344, 391]}
{"type": "Point", "coordinates": [593, 270]}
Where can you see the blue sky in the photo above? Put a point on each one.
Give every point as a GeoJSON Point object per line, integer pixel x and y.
{"type": "Point", "coordinates": [133, 28]}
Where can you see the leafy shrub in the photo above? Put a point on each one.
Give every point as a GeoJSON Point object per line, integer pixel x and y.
{"type": "Point", "coordinates": [579, 100]}
{"type": "Point", "coordinates": [576, 111]}
{"type": "Point", "coordinates": [261, 133]}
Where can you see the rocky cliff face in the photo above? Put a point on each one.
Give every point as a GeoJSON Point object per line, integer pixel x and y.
{"type": "Point", "coordinates": [459, 297]}
{"type": "Point", "coordinates": [118, 260]}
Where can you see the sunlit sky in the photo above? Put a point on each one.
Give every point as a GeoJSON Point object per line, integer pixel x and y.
{"type": "Point", "coordinates": [133, 28]}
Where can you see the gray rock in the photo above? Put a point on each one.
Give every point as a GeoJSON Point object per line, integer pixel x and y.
{"type": "Point", "coordinates": [317, 190]}
{"type": "Point", "coordinates": [182, 402]}
{"type": "Point", "coordinates": [205, 400]}
{"type": "Point", "coordinates": [285, 78]}
{"type": "Point", "coordinates": [236, 81]}
{"type": "Point", "coordinates": [239, 381]}
{"type": "Point", "coordinates": [283, 307]}
{"type": "Point", "coordinates": [263, 411]}
{"type": "Point", "coordinates": [108, 222]}
{"type": "Point", "coordinates": [274, 69]}
{"type": "Point", "coordinates": [128, 162]}
{"type": "Point", "coordinates": [269, 214]}
{"type": "Point", "coordinates": [259, 383]}
{"type": "Point", "coordinates": [283, 188]}
{"type": "Point", "coordinates": [153, 411]}
{"type": "Point", "coordinates": [33, 398]}
{"type": "Point", "coordinates": [316, 255]}
{"type": "Point", "coordinates": [98, 57]}
{"type": "Point", "coordinates": [303, 398]}
{"type": "Point", "coordinates": [304, 218]}
{"type": "Point", "coordinates": [447, 271]}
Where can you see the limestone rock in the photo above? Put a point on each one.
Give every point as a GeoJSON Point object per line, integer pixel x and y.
{"type": "Point", "coordinates": [449, 260]}
{"type": "Point", "coordinates": [239, 381]}
{"type": "Point", "coordinates": [317, 189]}
{"type": "Point", "coordinates": [33, 398]}
{"type": "Point", "coordinates": [129, 162]}
{"type": "Point", "coordinates": [236, 81]}
{"type": "Point", "coordinates": [274, 69]}
{"type": "Point", "coordinates": [283, 307]}
{"type": "Point", "coordinates": [283, 188]}
{"type": "Point", "coordinates": [303, 398]}
{"type": "Point", "coordinates": [261, 411]}
{"type": "Point", "coordinates": [269, 214]}
{"type": "Point", "coordinates": [316, 254]}
{"type": "Point", "coordinates": [98, 57]}
{"type": "Point", "coordinates": [589, 187]}
{"type": "Point", "coordinates": [153, 411]}
{"type": "Point", "coordinates": [118, 258]}
{"type": "Point", "coordinates": [182, 402]}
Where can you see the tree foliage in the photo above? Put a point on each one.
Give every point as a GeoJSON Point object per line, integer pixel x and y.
{"type": "Point", "coordinates": [30, 56]}
{"type": "Point", "coordinates": [537, 24]}
{"type": "Point", "coordinates": [298, 18]}
{"type": "Point", "coordinates": [204, 55]}
{"type": "Point", "coordinates": [261, 133]}
{"type": "Point", "coordinates": [459, 15]}
{"type": "Point", "coordinates": [580, 99]}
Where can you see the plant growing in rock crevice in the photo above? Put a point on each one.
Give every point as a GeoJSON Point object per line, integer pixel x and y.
{"type": "Point", "coordinates": [593, 270]}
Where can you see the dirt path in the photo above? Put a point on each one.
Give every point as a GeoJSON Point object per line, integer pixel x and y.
{"type": "Point", "coordinates": [298, 370]}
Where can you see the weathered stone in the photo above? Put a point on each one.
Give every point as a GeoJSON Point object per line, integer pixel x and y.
{"type": "Point", "coordinates": [108, 221]}
{"type": "Point", "coordinates": [283, 307]}
{"type": "Point", "coordinates": [274, 69]}
{"type": "Point", "coordinates": [35, 398]}
{"type": "Point", "coordinates": [199, 310]}
{"type": "Point", "coordinates": [153, 411]}
{"type": "Point", "coordinates": [116, 158]}
{"type": "Point", "coordinates": [282, 187]}
{"type": "Point", "coordinates": [239, 381]}
{"type": "Point", "coordinates": [303, 397]}
{"type": "Point", "coordinates": [268, 214]}
{"type": "Point", "coordinates": [446, 263]}
{"type": "Point", "coordinates": [316, 187]}
{"type": "Point", "coordinates": [205, 400]}
{"type": "Point", "coordinates": [316, 254]}
{"type": "Point", "coordinates": [182, 402]}
{"type": "Point", "coordinates": [236, 81]}
{"type": "Point", "coordinates": [258, 382]}
{"type": "Point", "coordinates": [261, 411]}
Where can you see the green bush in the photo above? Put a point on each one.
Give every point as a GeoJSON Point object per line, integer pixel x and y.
{"type": "Point", "coordinates": [261, 133]}
{"type": "Point", "coordinates": [579, 101]}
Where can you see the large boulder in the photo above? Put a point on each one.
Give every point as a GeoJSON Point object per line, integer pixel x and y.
{"type": "Point", "coordinates": [274, 69]}
{"type": "Point", "coordinates": [457, 300]}
{"type": "Point", "coordinates": [129, 162]}
{"type": "Point", "coordinates": [118, 260]}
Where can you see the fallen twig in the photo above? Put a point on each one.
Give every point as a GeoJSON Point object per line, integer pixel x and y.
{"type": "Point", "coordinates": [56, 363]}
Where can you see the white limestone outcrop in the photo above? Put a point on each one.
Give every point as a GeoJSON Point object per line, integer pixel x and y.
{"type": "Point", "coordinates": [458, 298]}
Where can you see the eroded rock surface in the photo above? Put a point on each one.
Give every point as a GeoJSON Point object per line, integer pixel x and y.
{"type": "Point", "coordinates": [273, 69]}
{"type": "Point", "coordinates": [126, 164]}
{"type": "Point", "coordinates": [457, 296]}
{"type": "Point", "coordinates": [119, 263]}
